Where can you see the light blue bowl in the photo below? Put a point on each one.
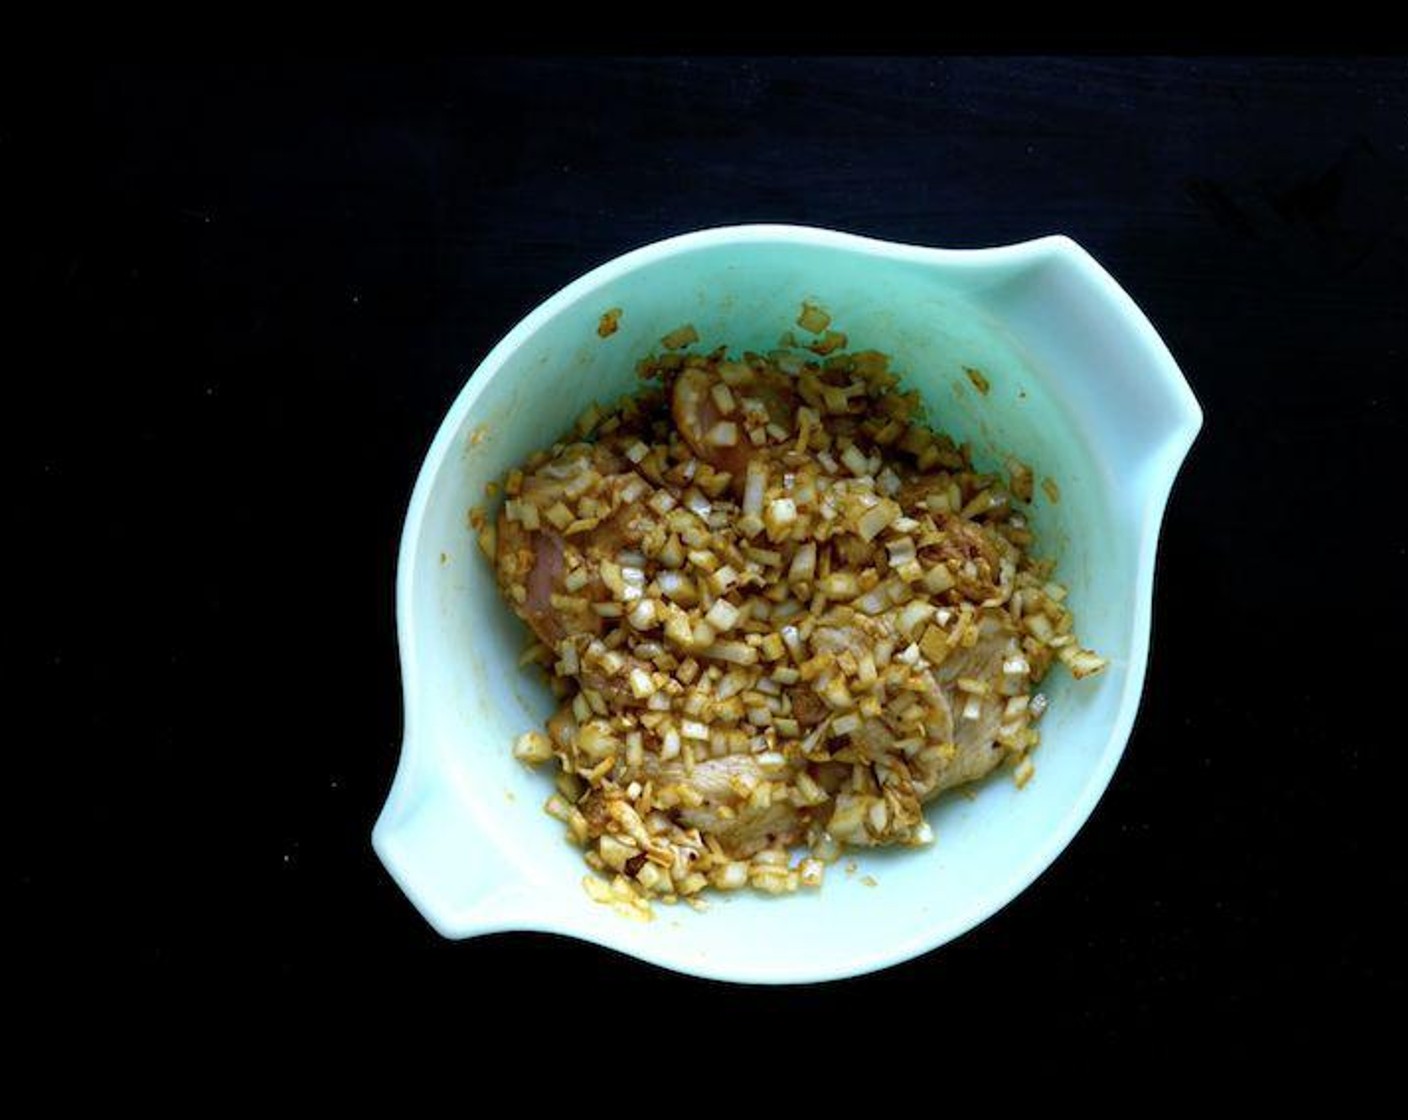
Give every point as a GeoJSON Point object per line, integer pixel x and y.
{"type": "Point", "coordinates": [1082, 388]}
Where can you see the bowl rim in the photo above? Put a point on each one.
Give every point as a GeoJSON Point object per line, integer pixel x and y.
{"type": "Point", "coordinates": [1163, 467]}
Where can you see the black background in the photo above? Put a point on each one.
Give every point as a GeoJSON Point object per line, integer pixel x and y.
{"type": "Point", "coordinates": [245, 296]}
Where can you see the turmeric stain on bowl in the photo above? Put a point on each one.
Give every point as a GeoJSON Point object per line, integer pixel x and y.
{"type": "Point", "coordinates": [609, 323]}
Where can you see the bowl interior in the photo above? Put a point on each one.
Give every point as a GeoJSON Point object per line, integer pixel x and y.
{"type": "Point", "coordinates": [1059, 365]}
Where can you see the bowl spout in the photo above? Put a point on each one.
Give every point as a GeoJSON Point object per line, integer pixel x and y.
{"type": "Point", "coordinates": [1131, 400]}
{"type": "Point", "coordinates": [434, 846]}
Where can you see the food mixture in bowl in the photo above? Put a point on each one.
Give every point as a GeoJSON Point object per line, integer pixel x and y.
{"type": "Point", "coordinates": [780, 614]}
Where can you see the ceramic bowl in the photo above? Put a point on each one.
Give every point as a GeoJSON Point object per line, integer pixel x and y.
{"type": "Point", "coordinates": [1081, 387]}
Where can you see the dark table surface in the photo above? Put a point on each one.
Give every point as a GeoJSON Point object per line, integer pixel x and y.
{"type": "Point", "coordinates": [246, 295]}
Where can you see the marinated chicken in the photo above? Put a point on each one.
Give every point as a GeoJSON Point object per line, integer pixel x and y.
{"type": "Point", "coordinates": [779, 611]}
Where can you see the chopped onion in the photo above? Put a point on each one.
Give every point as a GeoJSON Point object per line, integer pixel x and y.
{"type": "Point", "coordinates": [803, 563]}
{"type": "Point", "coordinates": [723, 615]}
{"type": "Point", "coordinates": [855, 460]}
{"type": "Point", "coordinates": [839, 585]}
{"type": "Point", "coordinates": [739, 653]}
{"type": "Point", "coordinates": [722, 434]}
{"type": "Point", "coordinates": [1016, 667]}
{"type": "Point", "coordinates": [913, 615]}
{"type": "Point", "coordinates": [721, 593]}
{"type": "Point", "coordinates": [874, 520]}
{"type": "Point", "coordinates": [532, 747]}
{"type": "Point", "coordinates": [781, 512]}
{"type": "Point", "coordinates": [634, 490]}
{"type": "Point", "coordinates": [846, 724]}
{"type": "Point", "coordinates": [754, 483]}
{"type": "Point", "coordinates": [901, 551]}
{"type": "Point", "coordinates": [874, 601]}
{"type": "Point", "coordinates": [697, 503]}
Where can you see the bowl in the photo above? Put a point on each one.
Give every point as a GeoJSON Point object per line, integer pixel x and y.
{"type": "Point", "coordinates": [1079, 385]}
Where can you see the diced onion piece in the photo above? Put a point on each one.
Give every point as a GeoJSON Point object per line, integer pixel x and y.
{"type": "Point", "coordinates": [874, 601]}
{"type": "Point", "coordinates": [836, 401]}
{"type": "Point", "coordinates": [740, 653]}
{"type": "Point", "coordinates": [611, 662]}
{"type": "Point", "coordinates": [722, 434]}
{"type": "Point", "coordinates": [874, 520]}
{"type": "Point", "coordinates": [803, 563]}
{"type": "Point", "coordinates": [769, 558]}
{"type": "Point", "coordinates": [730, 876]}
{"type": "Point", "coordinates": [755, 481]}
{"type": "Point", "coordinates": [1082, 662]}
{"type": "Point", "coordinates": [911, 572]}
{"type": "Point", "coordinates": [792, 638]}
{"type": "Point", "coordinates": [642, 614]}
{"type": "Point", "coordinates": [735, 374]}
{"type": "Point", "coordinates": [934, 645]}
{"type": "Point", "coordinates": [703, 559]}
{"type": "Point", "coordinates": [780, 516]}
{"type": "Point", "coordinates": [723, 615]}
{"type": "Point", "coordinates": [913, 615]}
{"type": "Point", "coordinates": [901, 551]}
{"type": "Point", "coordinates": [532, 747]}
{"type": "Point", "coordinates": [559, 515]}
{"type": "Point", "coordinates": [1039, 626]}
{"type": "Point", "coordinates": [680, 337]}
{"type": "Point", "coordinates": [840, 586]}
{"type": "Point", "coordinates": [855, 460]}
{"type": "Point", "coordinates": [595, 740]}
{"type": "Point", "coordinates": [678, 587]}
{"type": "Point", "coordinates": [615, 852]}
